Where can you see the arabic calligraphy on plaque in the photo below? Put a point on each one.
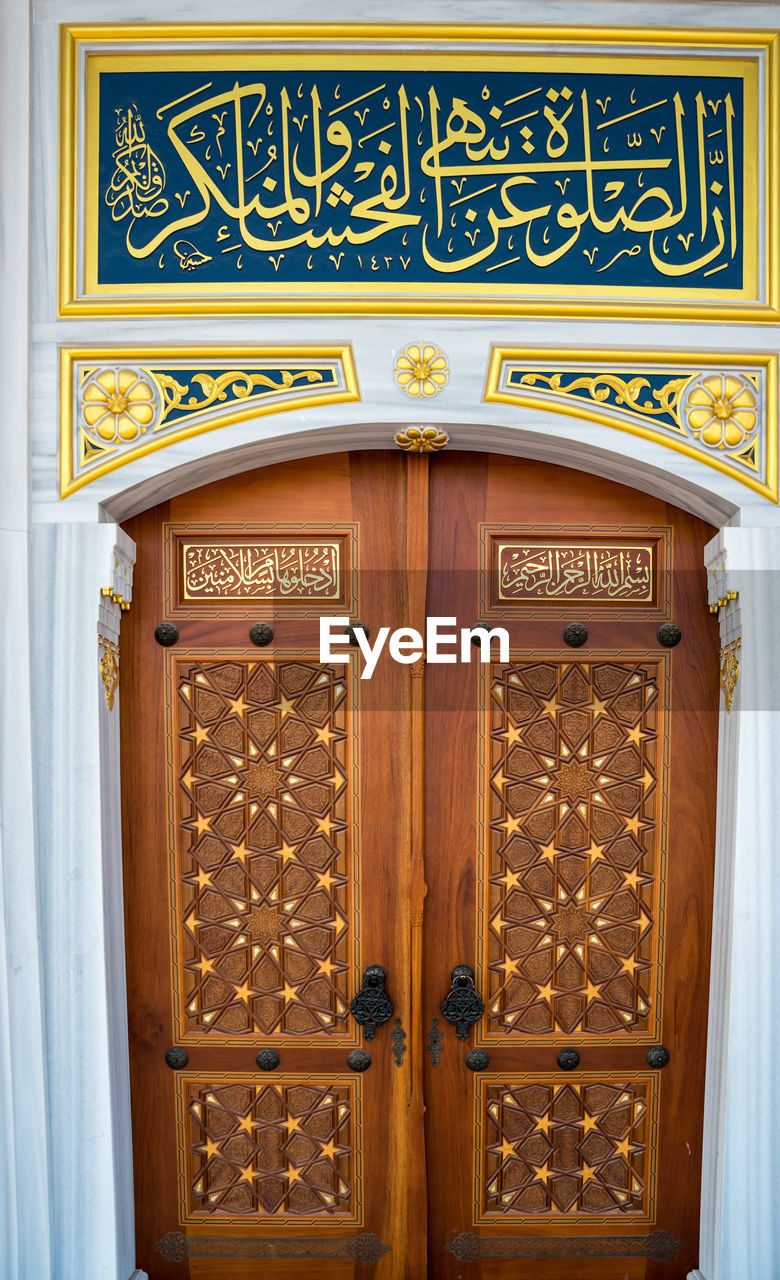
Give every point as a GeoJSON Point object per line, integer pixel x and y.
{"type": "Point", "coordinates": [536, 176]}
{"type": "Point", "coordinates": [287, 570]}
{"type": "Point", "coordinates": [587, 572]}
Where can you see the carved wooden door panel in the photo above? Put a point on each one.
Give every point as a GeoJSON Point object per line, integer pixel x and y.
{"type": "Point", "coordinates": [569, 841]}
{"type": "Point", "coordinates": [276, 814]}
{"type": "Point", "coordinates": [265, 819]}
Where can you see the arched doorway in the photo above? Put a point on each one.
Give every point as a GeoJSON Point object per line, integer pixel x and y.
{"type": "Point", "coordinates": [546, 818]}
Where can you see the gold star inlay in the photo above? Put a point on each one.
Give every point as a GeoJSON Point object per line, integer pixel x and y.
{"type": "Point", "coordinates": [203, 878]}
{"type": "Point", "coordinates": [246, 1124]}
{"type": "Point", "coordinates": [325, 825]}
{"type": "Point", "coordinates": [293, 1174]}
{"type": "Point", "coordinates": [545, 992]}
{"type": "Point", "coordinates": [595, 852]}
{"type": "Point", "coordinates": [289, 993]}
{"type": "Point", "coordinates": [287, 852]}
{"type": "Point", "coordinates": [575, 780]}
{"type": "Point", "coordinates": [210, 1148]}
{"type": "Point", "coordinates": [511, 879]}
{"type": "Point", "coordinates": [631, 878]}
{"type": "Point", "coordinates": [511, 825]}
{"type": "Point", "coordinates": [238, 706]}
{"type": "Point", "coordinates": [325, 880]}
{"type": "Point", "coordinates": [326, 967]}
{"type": "Point", "coordinates": [200, 733]}
{"type": "Point", "coordinates": [240, 852]}
{"type": "Point", "coordinates": [548, 852]}
{"type": "Point", "coordinates": [633, 735]}
{"type": "Point", "coordinates": [509, 967]}
{"type": "Point", "coordinates": [598, 707]}
{"type": "Point", "coordinates": [242, 992]}
{"type": "Point", "coordinates": [544, 1123]}
{"type": "Point", "coordinates": [247, 1174]}
{"type": "Point", "coordinates": [622, 1148]}
{"type": "Point", "coordinates": [292, 1124]}
{"type": "Point", "coordinates": [551, 706]}
{"type": "Point", "coordinates": [285, 706]}
{"type": "Point", "coordinates": [587, 1173]}
{"type": "Point", "coordinates": [324, 736]}
{"type": "Point", "coordinates": [202, 824]}
{"type": "Point", "coordinates": [507, 1149]}
{"type": "Point", "coordinates": [205, 966]}
{"type": "Point", "coordinates": [592, 992]}
{"type": "Point", "coordinates": [512, 734]}
{"type": "Point", "coordinates": [328, 1152]}
{"type": "Point", "coordinates": [541, 1173]}
{"type": "Point", "coordinates": [629, 966]}
{"type": "Point", "coordinates": [632, 824]}
{"type": "Point", "coordinates": [589, 1122]}
{"type": "Point", "coordinates": [262, 780]}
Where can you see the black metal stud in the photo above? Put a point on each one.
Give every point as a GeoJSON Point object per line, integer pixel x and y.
{"type": "Point", "coordinates": [267, 1059]}
{"type": "Point", "coordinates": [357, 626]}
{"type": "Point", "coordinates": [177, 1058]}
{"type": "Point", "coordinates": [568, 1059]}
{"type": "Point", "coordinates": [359, 1060]}
{"type": "Point", "coordinates": [575, 634]}
{"type": "Point", "coordinates": [477, 1060]}
{"type": "Point", "coordinates": [261, 634]}
{"type": "Point", "coordinates": [166, 634]}
{"type": "Point", "coordinates": [669, 635]}
{"type": "Point", "coordinates": [657, 1056]}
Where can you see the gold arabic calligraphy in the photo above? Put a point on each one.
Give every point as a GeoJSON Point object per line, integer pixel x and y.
{"type": "Point", "coordinates": [547, 571]}
{"type": "Point", "coordinates": [251, 570]}
{"type": "Point", "coordinates": [284, 170]}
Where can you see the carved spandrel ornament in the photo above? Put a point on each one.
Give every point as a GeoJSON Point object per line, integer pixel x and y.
{"type": "Point", "coordinates": [722, 413]}
{"type": "Point", "coordinates": [123, 405]}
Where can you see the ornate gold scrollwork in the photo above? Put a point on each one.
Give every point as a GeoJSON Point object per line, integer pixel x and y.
{"type": "Point", "coordinates": [109, 668]}
{"type": "Point", "coordinates": [729, 670]}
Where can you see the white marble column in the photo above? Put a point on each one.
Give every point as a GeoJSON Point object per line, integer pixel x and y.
{"type": "Point", "coordinates": [80, 872]}
{"type": "Point", "coordinates": [24, 1167]}
{"type": "Point", "coordinates": [740, 1222]}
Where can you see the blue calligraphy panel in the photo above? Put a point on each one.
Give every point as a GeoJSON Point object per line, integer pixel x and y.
{"type": "Point", "coordinates": [523, 179]}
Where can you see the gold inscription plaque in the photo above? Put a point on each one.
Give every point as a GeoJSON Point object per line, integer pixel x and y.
{"type": "Point", "coordinates": [299, 570]}
{"type": "Point", "coordinates": [250, 570]}
{"type": "Point", "coordinates": [555, 570]}
{"type": "Point", "coordinates": [542, 571]}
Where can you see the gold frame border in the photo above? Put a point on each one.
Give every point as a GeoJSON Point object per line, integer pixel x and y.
{"type": "Point", "coordinates": [566, 39]}
{"type": "Point", "coordinates": [595, 361]}
{"type": "Point", "coordinates": [70, 356]}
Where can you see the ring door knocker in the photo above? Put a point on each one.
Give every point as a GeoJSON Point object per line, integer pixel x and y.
{"type": "Point", "coordinates": [371, 1006]}
{"type": "Point", "coordinates": [463, 1006]}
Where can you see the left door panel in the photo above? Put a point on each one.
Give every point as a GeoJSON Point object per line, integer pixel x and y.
{"type": "Point", "coordinates": [264, 827]}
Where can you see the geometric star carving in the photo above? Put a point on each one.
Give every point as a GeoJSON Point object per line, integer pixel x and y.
{"type": "Point", "coordinates": [571, 870]}
{"type": "Point", "coordinates": [262, 780]}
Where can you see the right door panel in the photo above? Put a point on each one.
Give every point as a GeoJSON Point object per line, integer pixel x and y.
{"type": "Point", "coordinates": [571, 801]}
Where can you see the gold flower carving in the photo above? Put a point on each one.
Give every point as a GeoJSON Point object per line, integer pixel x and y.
{"type": "Point", "coordinates": [118, 404]}
{"type": "Point", "coordinates": [722, 410]}
{"type": "Point", "coordinates": [422, 370]}
{"type": "Point", "coordinates": [729, 670]}
{"type": "Point", "coordinates": [421, 439]}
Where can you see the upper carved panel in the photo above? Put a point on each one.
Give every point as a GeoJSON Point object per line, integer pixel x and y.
{"type": "Point", "coordinates": [270, 174]}
{"type": "Point", "coordinates": [264, 881]}
{"type": "Point", "coordinates": [574, 849]}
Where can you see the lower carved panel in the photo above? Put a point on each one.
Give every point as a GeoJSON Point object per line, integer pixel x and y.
{"type": "Point", "coordinates": [287, 1150]}
{"type": "Point", "coordinates": [583, 1148]}
{"type": "Point", "coordinates": [468, 1247]}
{"type": "Point", "coordinates": [175, 1247]}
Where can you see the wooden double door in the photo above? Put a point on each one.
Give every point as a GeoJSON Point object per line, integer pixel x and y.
{"type": "Point", "coordinates": [545, 818]}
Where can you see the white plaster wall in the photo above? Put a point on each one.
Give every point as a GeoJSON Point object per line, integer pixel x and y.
{"type": "Point", "coordinates": [62, 1042]}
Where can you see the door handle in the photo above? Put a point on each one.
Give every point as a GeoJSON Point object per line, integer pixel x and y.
{"type": "Point", "coordinates": [371, 1006]}
{"type": "Point", "coordinates": [462, 1006]}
